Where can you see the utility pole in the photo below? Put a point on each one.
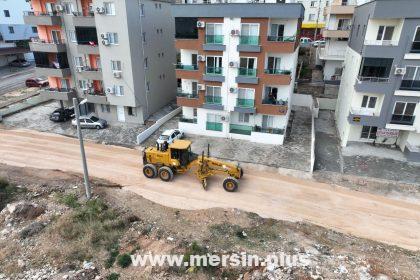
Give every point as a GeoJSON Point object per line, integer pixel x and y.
{"type": "Point", "coordinates": [82, 148]}
{"type": "Point", "coordinates": [317, 19]}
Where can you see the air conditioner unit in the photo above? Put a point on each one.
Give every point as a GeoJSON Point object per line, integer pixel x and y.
{"type": "Point", "coordinates": [232, 90]}
{"type": "Point", "coordinates": [105, 42]}
{"type": "Point", "coordinates": [224, 118]}
{"type": "Point", "coordinates": [201, 87]}
{"type": "Point", "coordinates": [117, 74]}
{"type": "Point", "coordinates": [201, 58]}
{"type": "Point", "coordinates": [100, 10]}
{"type": "Point", "coordinates": [400, 71]}
{"type": "Point", "coordinates": [79, 69]}
{"type": "Point", "coordinates": [233, 64]}
{"type": "Point", "coordinates": [59, 8]}
{"type": "Point", "coordinates": [234, 32]}
{"type": "Point", "coordinates": [104, 36]}
{"type": "Point", "coordinates": [201, 24]}
{"type": "Point", "coordinates": [109, 90]}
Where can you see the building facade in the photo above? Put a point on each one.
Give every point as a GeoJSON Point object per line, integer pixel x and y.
{"type": "Point", "coordinates": [14, 34]}
{"type": "Point", "coordinates": [236, 67]}
{"type": "Point", "coordinates": [380, 87]}
{"type": "Point", "coordinates": [314, 19]}
{"type": "Point", "coordinates": [118, 55]}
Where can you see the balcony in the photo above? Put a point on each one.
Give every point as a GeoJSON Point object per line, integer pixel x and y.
{"type": "Point", "coordinates": [339, 9]}
{"type": "Point", "coordinates": [213, 102]}
{"type": "Point", "coordinates": [245, 105]}
{"type": "Point", "coordinates": [62, 94]}
{"type": "Point", "coordinates": [372, 84]}
{"type": "Point", "coordinates": [273, 107]}
{"type": "Point", "coordinates": [184, 119]}
{"type": "Point", "coordinates": [415, 47]}
{"type": "Point", "coordinates": [281, 39]}
{"type": "Point", "coordinates": [188, 99]}
{"type": "Point", "coordinates": [402, 120]}
{"type": "Point", "coordinates": [363, 111]}
{"type": "Point", "coordinates": [79, 19]}
{"type": "Point", "coordinates": [328, 54]}
{"type": "Point", "coordinates": [214, 126]}
{"type": "Point", "coordinates": [410, 85]}
{"type": "Point", "coordinates": [96, 97]}
{"type": "Point", "coordinates": [214, 74]}
{"type": "Point", "coordinates": [89, 73]}
{"type": "Point", "coordinates": [280, 44]}
{"type": "Point", "coordinates": [181, 66]}
{"type": "Point", "coordinates": [214, 43]}
{"type": "Point", "coordinates": [277, 72]}
{"type": "Point", "coordinates": [276, 77]}
{"type": "Point", "coordinates": [269, 130]}
{"type": "Point", "coordinates": [240, 129]}
{"type": "Point", "coordinates": [48, 70]}
{"type": "Point", "coordinates": [388, 43]}
{"type": "Point", "coordinates": [337, 33]}
{"type": "Point", "coordinates": [247, 76]}
{"type": "Point", "coordinates": [89, 47]}
{"type": "Point", "coordinates": [249, 44]}
{"type": "Point", "coordinates": [48, 46]}
{"type": "Point", "coordinates": [41, 18]}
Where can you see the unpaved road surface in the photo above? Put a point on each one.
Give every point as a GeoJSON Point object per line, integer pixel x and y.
{"type": "Point", "coordinates": [275, 196]}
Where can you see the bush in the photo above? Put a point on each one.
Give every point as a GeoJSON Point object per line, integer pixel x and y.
{"type": "Point", "coordinates": [124, 260]}
{"type": "Point", "coordinates": [113, 276]}
{"type": "Point", "coordinates": [69, 200]}
{"type": "Point", "coordinates": [3, 183]}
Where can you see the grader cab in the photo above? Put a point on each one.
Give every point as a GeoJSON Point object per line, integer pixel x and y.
{"type": "Point", "coordinates": [177, 158]}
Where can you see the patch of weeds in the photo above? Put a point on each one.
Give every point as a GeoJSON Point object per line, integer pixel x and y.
{"type": "Point", "coordinates": [124, 260]}
{"type": "Point", "coordinates": [8, 192]}
{"type": "Point", "coordinates": [113, 253]}
{"type": "Point", "coordinates": [69, 200]}
{"type": "Point", "coordinates": [113, 276]}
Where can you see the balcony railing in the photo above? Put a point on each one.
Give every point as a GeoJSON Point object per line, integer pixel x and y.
{"type": "Point", "coordinates": [92, 43]}
{"type": "Point", "coordinates": [373, 79]}
{"type": "Point", "coordinates": [187, 120]}
{"type": "Point", "coordinates": [214, 126]}
{"type": "Point", "coordinates": [181, 66]}
{"type": "Point", "coordinates": [410, 85]}
{"type": "Point", "coordinates": [281, 38]}
{"type": "Point", "coordinates": [247, 72]}
{"type": "Point", "coordinates": [88, 69]}
{"type": "Point", "coordinates": [402, 119]}
{"type": "Point", "coordinates": [214, 39]}
{"type": "Point", "coordinates": [279, 131]}
{"type": "Point", "coordinates": [49, 42]}
{"type": "Point", "coordinates": [35, 13]}
{"type": "Point", "coordinates": [80, 14]}
{"type": "Point", "coordinates": [240, 129]}
{"type": "Point", "coordinates": [270, 101]}
{"type": "Point", "coordinates": [415, 47]}
{"type": "Point", "coordinates": [381, 42]}
{"type": "Point", "coordinates": [214, 70]}
{"type": "Point", "coordinates": [249, 40]}
{"type": "Point", "coordinates": [245, 103]}
{"type": "Point", "coordinates": [362, 111]}
{"type": "Point", "coordinates": [191, 95]}
{"type": "Point", "coordinates": [58, 89]}
{"type": "Point", "coordinates": [209, 99]}
{"type": "Point", "coordinates": [277, 72]}
{"type": "Point", "coordinates": [52, 65]}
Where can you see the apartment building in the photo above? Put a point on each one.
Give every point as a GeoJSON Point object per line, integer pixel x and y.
{"type": "Point", "coordinates": [236, 67]}
{"type": "Point", "coordinates": [380, 87]}
{"type": "Point", "coordinates": [336, 33]}
{"type": "Point", "coordinates": [314, 19]}
{"type": "Point", "coordinates": [116, 55]}
{"type": "Point", "coordinates": [14, 34]}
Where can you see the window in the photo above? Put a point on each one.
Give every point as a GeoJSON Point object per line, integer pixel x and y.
{"type": "Point", "coordinates": [214, 94]}
{"type": "Point", "coordinates": [142, 10]}
{"type": "Point", "coordinates": [68, 8]}
{"type": "Point", "coordinates": [115, 65]}
{"type": "Point", "coordinates": [250, 30]}
{"type": "Point", "coordinates": [214, 65]}
{"type": "Point", "coordinates": [246, 93]}
{"type": "Point", "coordinates": [273, 64]}
{"type": "Point", "coordinates": [375, 69]}
{"type": "Point", "coordinates": [147, 86]}
{"type": "Point", "coordinates": [267, 121]}
{"type": "Point", "coordinates": [385, 33]}
{"type": "Point", "coordinates": [72, 36]}
{"type": "Point", "coordinates": [78, 61]}
{"type": "Point", "coordinates": [112, 38]}
{"type": "Point", "coordinates": [132, 111]}
{"type": "Point", "coordinates": [369, 132]}
{"type": "Point", "coordinates": [160, 6]}
{"type": "Point", "coordinates": [358, 29]}
{"type": "Point", "coordinates": [146, 64]}
{"type": "Point", "coordinates": [34, 29]}
{"type": "Point", "coordinates": [403, 113]}
{"type": "Point", "coordinates": [119, 90]}
{"type": "Point", "coordinates": [214, 122]}
{"type": "Point", "coordinates": [214, 33]}
{"type": "Point", "coordinates": [156, 5]}
{"type": "Point", "coordinates": [247, 65]}
{"type": "Point", "coordinates": [313, 3]}
{"type": "Point", "coordinates": [109, 8]}
{"type": "Point", "coordinates": [6, 13]}
{"type": "Point", "coordinates": [415, 48]}
{"type": "Point", "coordinates": [143, 36]}
{"type": "Point", "coordinates": [276, 32]}
{"type": "Point", "coordinates": [411, 79]}
{"type": "Point", "coordinates": [105, 108]}
{"type": "Point", "coordinates": [369, 101]}
{"type": "Point", "coordinates": [11, 30]}
{"type": "Point", "coordinates": [344, 24]}
{"type": "Point", "coordinates": [311, 17]}
{"type": "Point", "coordinates": [83, 84]}
{"type": "Point", "coordinates": [243, 118]}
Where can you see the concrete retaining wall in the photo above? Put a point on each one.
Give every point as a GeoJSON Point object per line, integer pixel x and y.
{"type": "Point", "coordinates": [304, 100]}
{"type": "Point", "coordinates": [327, 103]}
{"type": "Point", "coordinates": [149, 131]}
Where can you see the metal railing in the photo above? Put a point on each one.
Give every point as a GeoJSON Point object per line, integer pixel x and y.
{"type": "Point", "coordinates": [410, 85]}
{"type": "Point", "coordinates": [80, 14]}
{"type": "Point", "coordinates": [245, 103]}
{"type": "Point", "coordinates": [270, 130]}
{"type": "Point", "coordinates": [277, 72]}
{"type": "Point", "coordinates": [281, 38]}
{"type": "Point", "coordinates": [181, 66]}
{"type": "Point", "coordinates": [191, 95]}
{"type": "Point", "coordinates": [47, 41]}
{"type": "Point", "coordinates": [249, 40]}
{"type": "Point", "coordinates": [53, 65]}
{"type": "Point", "coordinates": [214, 126]}
{"type": "Point", "coordinates": [36, 13]}
{"type": "Point", "coordinates": [92, 43]}
{"type": "Point", "coordinates": [240, 129]}
{"type": "Point", "coordinates": [214, 39]}
{"type": "Point", "coordinates": [187, 120]}
{"type": "Point", "coordinates": [415, 47]}
{"type": "Point", "coordinates": [271, 101]}
{"type": "Point", "coordinates": [210, 99]}
{"type": "Point", "coordinates": [247, 72]}
{"type": "Point", "coordinates": [402, 119]}
{"type": "Point", "coordinates": [57, 89]}
{"type": "Point", "coordinates": [214, 70]}
{"type": "Point", "coordinates": [373, 79]}
{"type": "Point", "coordinates": [89, 69]}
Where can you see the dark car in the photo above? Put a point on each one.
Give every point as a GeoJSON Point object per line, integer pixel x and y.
{"type": "Point", "coordinates": [37, 82]}
{"type": "Point", "coordinates": [19, 63]}
{"type": "Point", "coordinates": [62, 114]}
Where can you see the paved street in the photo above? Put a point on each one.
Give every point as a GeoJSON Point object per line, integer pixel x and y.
{"type": "Point", "coordinates": [274, 196]}
{"type": "Point", "coordinates": [14, 78]}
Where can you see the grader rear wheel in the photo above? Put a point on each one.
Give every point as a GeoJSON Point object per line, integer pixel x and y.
{"type": "Point", "coordinates": [230, 184]}
{"type": "Point", "coordinates": [166, 174]}
{"type": "Point", "coordinates": [150, 171]}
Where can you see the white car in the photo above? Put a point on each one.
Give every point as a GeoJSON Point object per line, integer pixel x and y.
{"type": "Point", "coordinates": [90, 121]}
{"type": "Point", "coordinates": [319, 43]}
{"type": "Point", "coordinates": [169, 136]}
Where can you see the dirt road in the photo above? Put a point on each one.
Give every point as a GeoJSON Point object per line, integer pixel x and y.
{"type": "Point", "coordinates": [365, 215]}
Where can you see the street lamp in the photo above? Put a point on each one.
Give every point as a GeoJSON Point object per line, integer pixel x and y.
{"type": "Point", "coordinates": [82, 147]}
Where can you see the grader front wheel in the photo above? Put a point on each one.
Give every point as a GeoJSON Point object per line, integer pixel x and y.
{"type": "Point", "coordinates": [149, 170]}
{"type": "Point", "coordinates": [230, 184]}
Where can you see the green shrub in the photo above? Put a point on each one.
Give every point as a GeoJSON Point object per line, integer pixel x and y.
{"type": "Point", "coordinates": [113, 276]}
{"type": "Point", "coordinates": [3, 183]}
{"type": "Point", "coordinates": [69, 200]}
{"type": "Point", "coordinates": [124, 260]}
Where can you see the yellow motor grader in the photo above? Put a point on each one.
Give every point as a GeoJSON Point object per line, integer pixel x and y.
{"type": "Point", "coordinates": [177, 157]}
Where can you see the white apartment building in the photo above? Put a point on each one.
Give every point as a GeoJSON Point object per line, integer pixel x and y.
{"type": "Point", "coordinates": [380, 87]}
{"type": "Point", "coordinates": [236, 68]}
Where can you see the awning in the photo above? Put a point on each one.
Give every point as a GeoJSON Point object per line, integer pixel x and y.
{"type": "Point", "coordinates": [313, 25]}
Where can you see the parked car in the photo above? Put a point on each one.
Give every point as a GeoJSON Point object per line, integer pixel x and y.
{"type": "Point", "coordinates": [62, 114]}
{"type": "Point", "coordinates": [318, 43]}
{"type": "Point", "coordinates": [90, 121]}
{"type": "Point", "coordinates": [19, 63]}
{"type": "Point", "coordinates": [305, 41]}
{"type": "Point", "coordinates": [169, 136]}
{"type": "Point", "coordinates": [37, 82]}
